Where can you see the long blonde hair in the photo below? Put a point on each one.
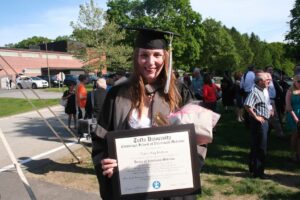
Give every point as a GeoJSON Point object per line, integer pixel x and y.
{"type": "Point", "coordinates": [138, 92]}
{"type": "Point", "coordinates": [293, 87]}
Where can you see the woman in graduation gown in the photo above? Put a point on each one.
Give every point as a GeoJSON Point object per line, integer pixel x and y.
{"type": "Point", "coordinates": [134, 104]}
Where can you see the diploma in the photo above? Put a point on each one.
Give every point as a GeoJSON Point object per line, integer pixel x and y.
{"type": "Point", "coordinates": [155, 162]}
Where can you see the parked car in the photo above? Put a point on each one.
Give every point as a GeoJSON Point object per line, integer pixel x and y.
{"type": "Point", "coordinates": [69, 78]}
{"type": "Point", "coordinates": [54, 82]}
{"type": "Point", "coordinates": [31, 82]}
{"type": "Point", "coordinates": [92, 79]}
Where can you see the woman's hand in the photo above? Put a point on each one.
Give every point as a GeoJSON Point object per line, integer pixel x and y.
{"type": "Point", "coordinates": [260, 119]}
{"type": "Point", "coordinates": [296, 120]}
{"type": "Point", "coordinates": [108, 165]}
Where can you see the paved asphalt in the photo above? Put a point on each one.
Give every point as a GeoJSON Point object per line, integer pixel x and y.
{"type": "Point", "coordinates": [11, 188]}
{"type": "Point", "coordinates": [16, 93]}
{"type": "Point", "coordinates": [34, 143]}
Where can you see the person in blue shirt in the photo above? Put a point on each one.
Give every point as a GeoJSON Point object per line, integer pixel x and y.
{"type": "Point", "coordinates": [197, 84]}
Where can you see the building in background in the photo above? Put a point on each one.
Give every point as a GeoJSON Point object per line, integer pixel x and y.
{"type": "Point", "coordinates": [42, 59]}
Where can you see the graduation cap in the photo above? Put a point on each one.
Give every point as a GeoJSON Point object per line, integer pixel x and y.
{"type": "Point", "coordinates": [156, 39]}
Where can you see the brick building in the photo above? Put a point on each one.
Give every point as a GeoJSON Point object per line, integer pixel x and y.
{"type": "Point", "coordinates": [36, 62]}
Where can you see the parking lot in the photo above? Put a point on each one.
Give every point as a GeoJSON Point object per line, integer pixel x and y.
{"type": "Point", "coordinates": [16, 93]}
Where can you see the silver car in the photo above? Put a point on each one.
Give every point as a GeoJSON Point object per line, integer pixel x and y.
{"type": "Point", "coordinates": [31, 82]}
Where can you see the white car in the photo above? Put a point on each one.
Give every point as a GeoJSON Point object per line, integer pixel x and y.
{"type": "Point", "coordinates": [31, 82]}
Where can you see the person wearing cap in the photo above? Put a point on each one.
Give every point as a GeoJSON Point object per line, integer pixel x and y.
{"type": "Point", "coordinates": [133, 104]}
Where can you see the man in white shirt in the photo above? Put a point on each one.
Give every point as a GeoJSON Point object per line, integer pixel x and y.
{"type": "Point", "coordinates": [247, 81]}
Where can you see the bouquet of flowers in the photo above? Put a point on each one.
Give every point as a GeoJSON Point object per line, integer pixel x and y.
{"type": "Point", "coordinates": [203, 119]}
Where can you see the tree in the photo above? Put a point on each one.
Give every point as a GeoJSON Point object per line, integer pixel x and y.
{"type": "Point", "coordinates": [103, 39]}
{"type": "Point", "coordinates": [262, 55]}
{"type": "Point", "coordinates": [277, 51]}
{"type": "Point", "coordinates": [62, 38]}
{"type": "Point", "coordinates": [293, 37]}
{"type": "Point", "coordinates": [171, 15]}
{"type": "Point", "coordinates": [219, 52]}
{"type": "Point", "coordinates": [35, 40]}
{"type": "Point", "coordinates": [241, 43]}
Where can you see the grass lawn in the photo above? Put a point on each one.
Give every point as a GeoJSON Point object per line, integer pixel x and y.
{"type": "Point", "coordinates": [11, 106]}
{"type": "Point", "coordinates": [225, 175]}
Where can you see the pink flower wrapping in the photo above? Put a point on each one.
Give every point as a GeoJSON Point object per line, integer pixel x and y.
{"type": "Point", "coordinates": [203, 119]}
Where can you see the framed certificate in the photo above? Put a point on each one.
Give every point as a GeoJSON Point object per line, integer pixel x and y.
{"type": "Point", "coordinates": [154, 162]}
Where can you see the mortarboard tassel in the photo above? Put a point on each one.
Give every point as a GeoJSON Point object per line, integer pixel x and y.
{"type": "Point", "coordinates": [169, 73]}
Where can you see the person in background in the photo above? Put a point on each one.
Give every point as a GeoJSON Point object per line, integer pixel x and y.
{"type": "Point", "coordinates": [70, 108]}
{"type": "Point", "coordinates": [210, 93]}
{"type": "Point", "coordinates": [293, 116]}
{"type": "Point", "coordinates": [247, 81]}
{"type": "Point", "coordinates": [238, 97]}
{"type": "Point", "coordinates": [81, 95]}
{"type": "Point", "coordinates": [273, 120]}
{"type": "Point", "coordinates": [135, 103]}
{"type": "Point", "coordinates": [197, 84]}
{"type": "Point", "coordinates": [95, 99]}
{"type": "Point", "coordinates": [177, 75]}
{"type": "Point", "coordinates": [227, 90]}
{"type": "Point", "coordinates": [120, 77]}
{"type": "Point", "coordinates": [10, 83]}
{"type": "Point", "coordinates": [246, 85]}
{"type": "Point", "coordinates": [277, 96]}
{"type": "Point", "coordinates": [99, 97]}
{"type": "Point", "coordinates": [256, 105]}
{"type": "Point", "coordinates": [187, 80]}
{"type": "Point", "coordinates": [7, 83]}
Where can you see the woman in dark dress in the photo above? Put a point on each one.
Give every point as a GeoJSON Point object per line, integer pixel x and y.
{"type": "Point", "coordinates": [227, 87]}
{"type": "Point", "coordinates": [70, 108]}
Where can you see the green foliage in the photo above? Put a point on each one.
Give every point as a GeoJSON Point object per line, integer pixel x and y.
{"type": "Point", "coordinates": [241, 43]}
{"type": "Point", "coordinates": [103, 39]}
{"type": "Point", "coordinates": [35, 40]}
{"type": "Point", "coordinates": [62, 38]}
{"type": "Point", "coordinates": [218, 48]}
{"type": "Point", "coordinates": [288, 67]}
{"type": "Point", "coordinates": [171, 15]}
{"type": "Point", "coordinates": [262, 55]}
{"type": "Point", "coordinates": [294, 35]}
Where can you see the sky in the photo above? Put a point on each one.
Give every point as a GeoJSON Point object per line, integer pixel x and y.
{"type": "Point", "coordinates": [21, 19]}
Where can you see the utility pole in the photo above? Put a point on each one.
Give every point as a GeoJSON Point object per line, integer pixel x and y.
{"type": "Point", "coordinates": [49, 79]}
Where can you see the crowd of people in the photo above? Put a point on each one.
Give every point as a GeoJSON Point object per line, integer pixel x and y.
{"type": "Point", "coordinates": [132, 103]}
{"type": "Point", "coordinates": [262, 102]}
{"type": "Point", "coordinates": [82, 104]}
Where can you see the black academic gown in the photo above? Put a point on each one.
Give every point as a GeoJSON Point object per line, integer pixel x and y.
{"type": "Point", "coordinates": [114, 116]}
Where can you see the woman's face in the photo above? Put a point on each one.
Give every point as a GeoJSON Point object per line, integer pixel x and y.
{"type": "Point", "coordinates": [297, 82]}
{"type": "Point", "coordinates": [150, 62]}
{"type": "Point", "coordinates": [71, 87]}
